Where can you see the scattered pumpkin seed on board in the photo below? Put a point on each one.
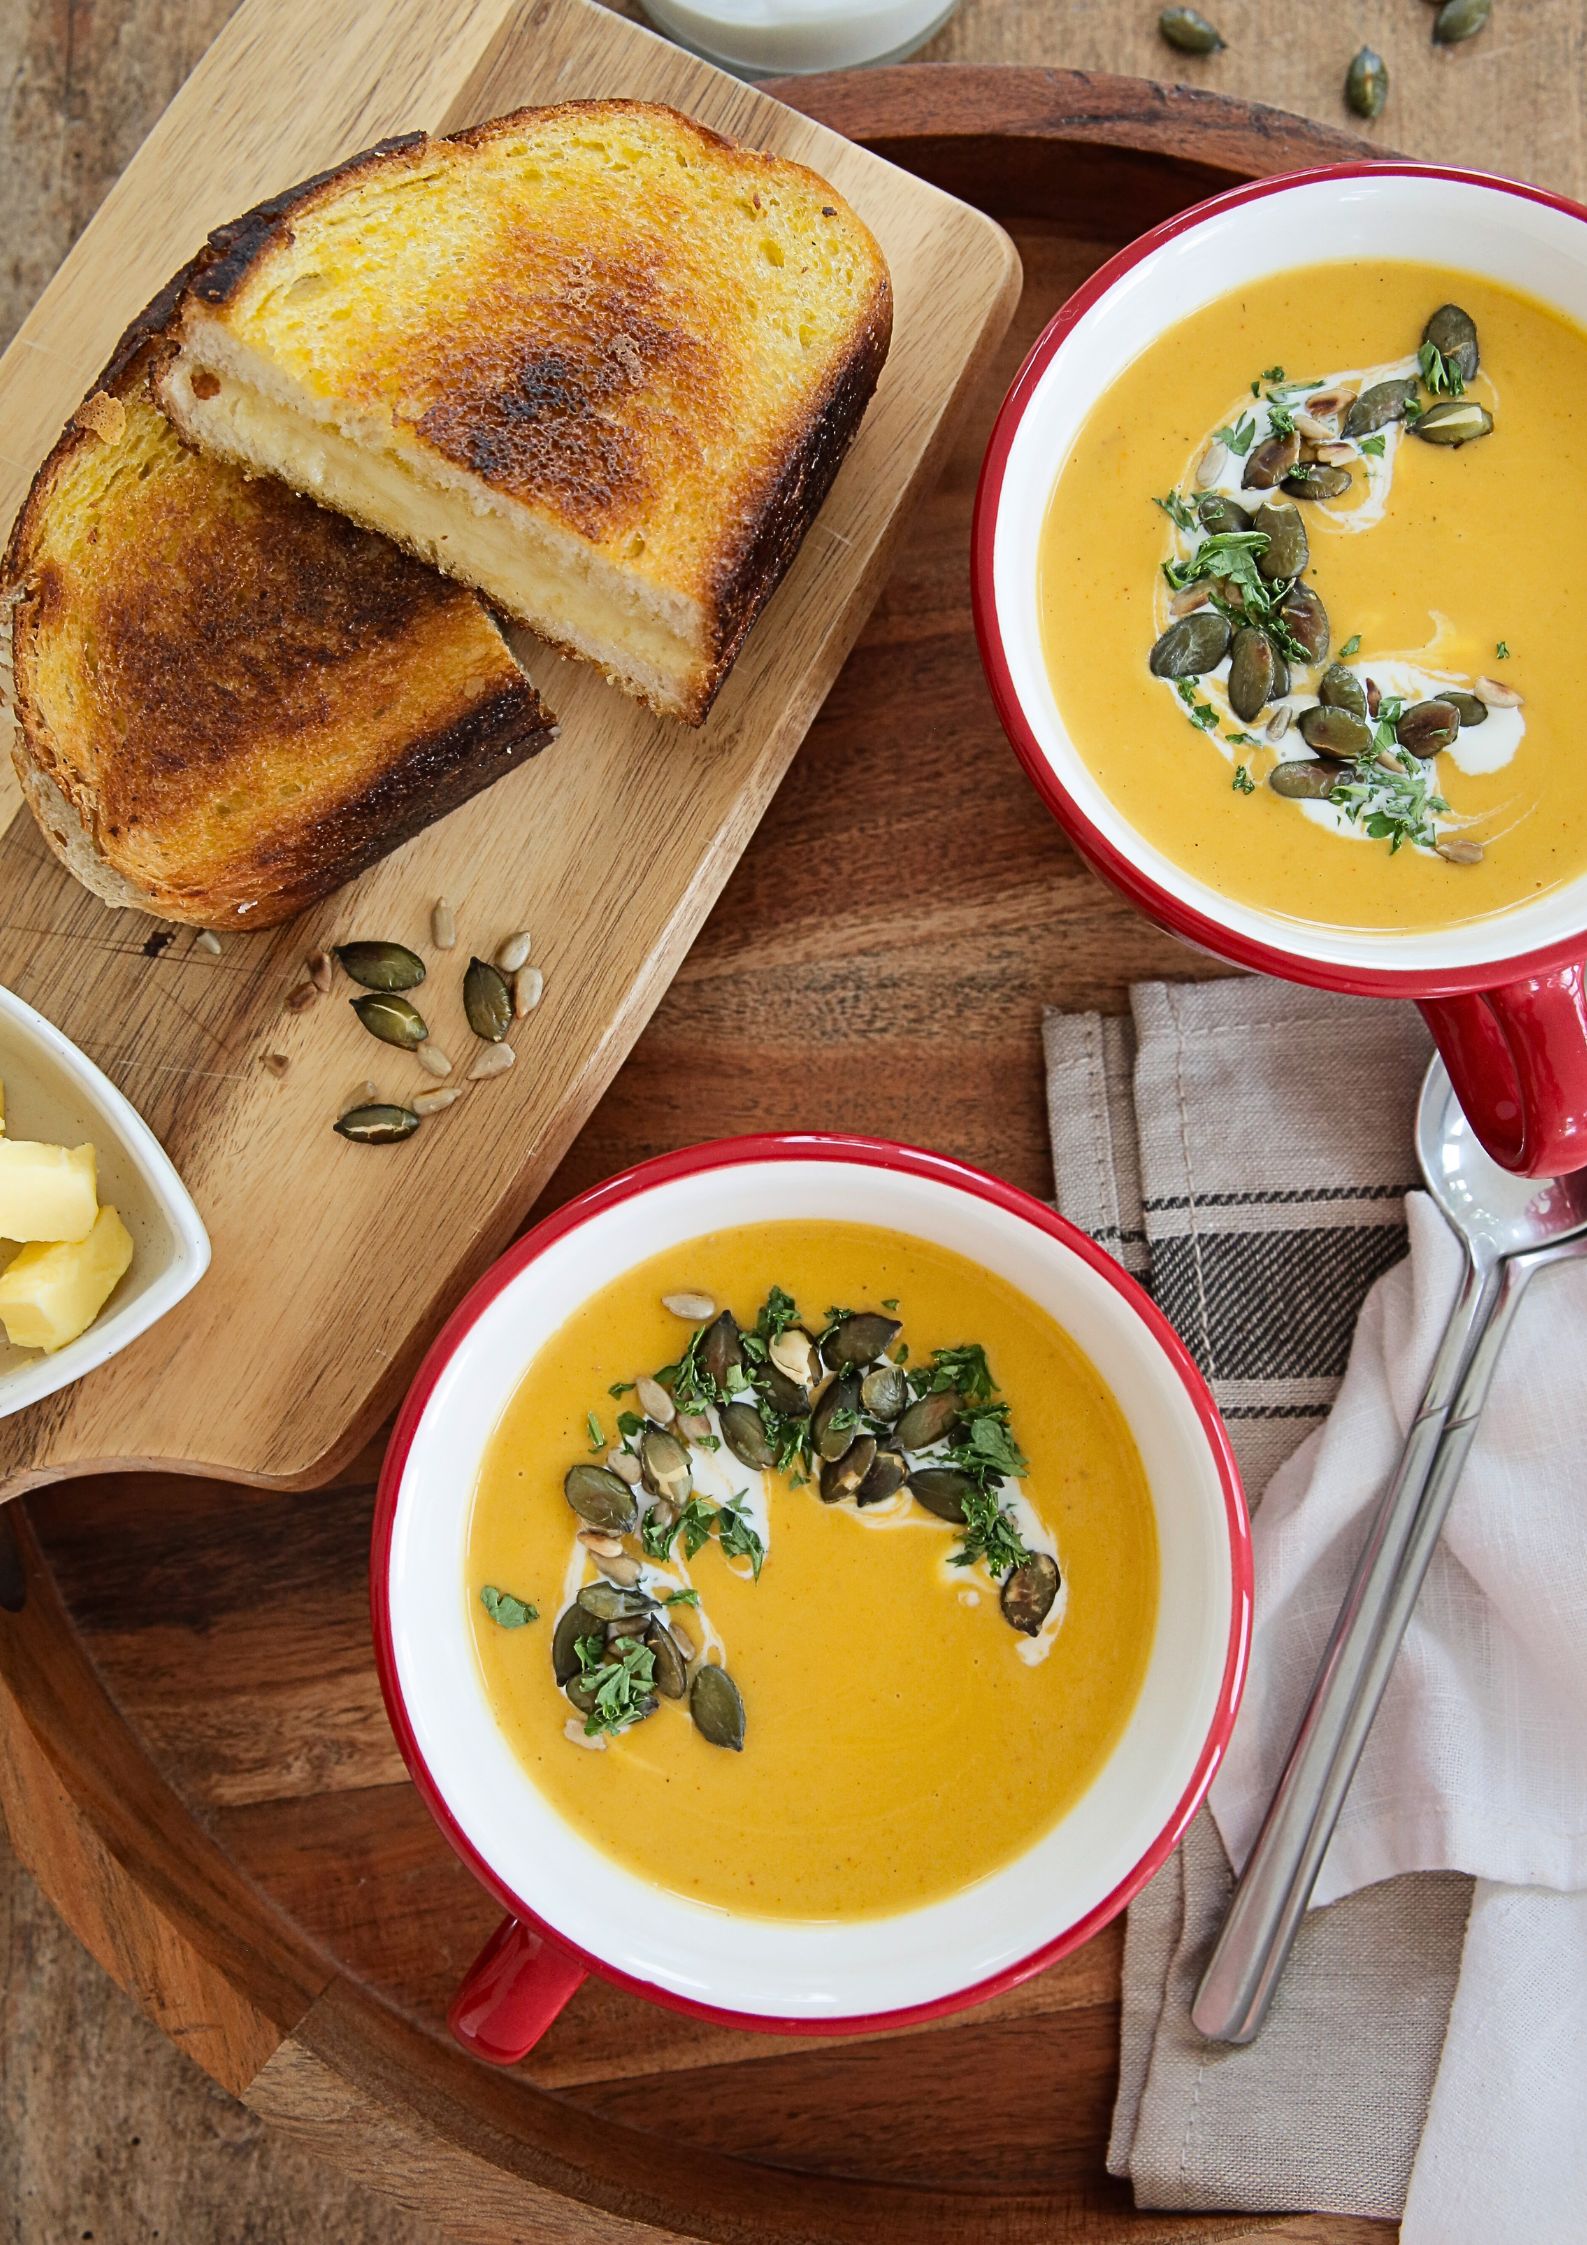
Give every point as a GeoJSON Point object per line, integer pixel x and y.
{"type": "Point", "coordinates": [1367, 83]}
{"type": "Point", "coordinates": [1460, 19]}
{"type": "Point", "coordinates": [1190, 32]}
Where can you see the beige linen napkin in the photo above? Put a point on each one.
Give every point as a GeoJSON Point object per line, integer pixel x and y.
{"type": "Point", "coordinates": [1244, 1148]}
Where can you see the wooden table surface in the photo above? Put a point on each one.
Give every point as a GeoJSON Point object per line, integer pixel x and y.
{"type": "Point", "coordinates": [106, 2133]}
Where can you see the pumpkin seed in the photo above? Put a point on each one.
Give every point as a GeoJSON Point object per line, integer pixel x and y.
{"type": "Point", "coordinates": [746, 1436]}
{"type": "Point", "coordinates": [786, 1397]}
{"type": "Point", "coordinates": [1219, 513]}
{"type": "Point", "coordinates": [1317, 479]}
{"type": "Point", "coordinates": [694, 1309]}
{"type": "Point", "coordinates": [487, 1001]}
{"type": "Point", "coordinates": [601, 1499]}
{"type": "Point", "coordinates": [1270, 461]}
{"type": "Point", "coordinates": [1338, 733]}
{"type": "Point", "coordinates": [377, 1125]}
{"type": "Point", "coordinates": [720, 1354]}
{"type": "Point", "coordinates": [794, 1354]}
{"type": "Point", "coordinates": [1460, 19]}
{"type": "Point", "coordinates": [654, 1400]}
{"type": "Point", "coordinates": [1453, 421]}
{"type": "Point", "coordinates": [672, 1675]}
{"type": "Point", "coordinates": [860, 1339]}
{"type": "Point", "coordinates": [664, 1465]}
{"type": "Point", "coordinates": [443, 925]}
{"type": "Point", "coordinates": [495, 1060]}
{"type": "Point", "coordinates": [1427, 727]}
{"type": "Point", "coordinates": [1287, 549]}
{"type": "Point", "coordinates": [1374, 409]}
{"type": "Point", "coordinates": [842, 1477]}
{"type": "Point", "coordinates": [942, 1489]}
{"type": "Point", "coordinates": [1303, 780]}
{"type": "Point", "coordinates": [392, 1019]}
{"type": "Point", "coordinates": [1498, 695]}
{"type": "Point", "coordinates": [1192, 645]}
{"type": "Point", "coordinates": [378, 966]}
{"type": "Point", "coordinates": [717, 1706]}
{"type": "Point", "coordinates": [1253, 673]}
{"type": "Point", "coordinates": [1467, 707]}
{"type": "Point", "coordinates": [609, 1601]}
{"type": "Point", "coordinates": [1453, 335]}
{"type": "Point", "coordinates": [1340, 688]}
{"type": "Point", "coordinates": [1367, 83]}
{"type": "Point", "coordinates": [1028, 1593]}
{"type": "Point", "coordinates": [840, 1400]}
{"type": "Point", "coordinates": [575, 1625]}
{"type": "Point", "coordinates": [1307, 619]}
{"type": "Point", "coordinates": [512, 952]}
{"type": "Point", "coordinates": [889, 1471]}
{"type": "Point", "coordinates": [928, 1420]}
{"type": "Point", "coordinates": [885, 1392]}
{"type": "Point", "coordinates": [1459, 851]}
{"type": "Point", "coordinates": [1190, 32]}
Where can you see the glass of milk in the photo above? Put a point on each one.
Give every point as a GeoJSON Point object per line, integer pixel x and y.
{"type": "Point", "coordinates": [771, 38]}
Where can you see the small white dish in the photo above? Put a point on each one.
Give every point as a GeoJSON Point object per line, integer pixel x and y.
{"type": "Point", "coordinates": [53, 1091]}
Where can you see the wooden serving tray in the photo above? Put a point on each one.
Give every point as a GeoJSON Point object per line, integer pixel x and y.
{"type": "Point", "coordinates": [333, 1261]}
{"type": "Point", "coordinates": [193, 1755]}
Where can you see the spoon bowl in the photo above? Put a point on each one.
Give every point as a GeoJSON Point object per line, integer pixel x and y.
{"type": "Point", "coordinates": [1495, 1212]}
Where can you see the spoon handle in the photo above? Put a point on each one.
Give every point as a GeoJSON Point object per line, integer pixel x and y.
{"type": "Point", "coordinates": [1276, 1885]}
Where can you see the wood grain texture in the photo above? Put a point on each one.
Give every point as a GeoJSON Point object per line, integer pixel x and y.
{"type": "Point", "coordinates": [901, 990]}
{"type": "Point", "coordinates": [612, 853]}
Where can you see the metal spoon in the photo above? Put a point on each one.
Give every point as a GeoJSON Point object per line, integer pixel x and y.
{"type": "Point", "coordinates": [1510, 1227]}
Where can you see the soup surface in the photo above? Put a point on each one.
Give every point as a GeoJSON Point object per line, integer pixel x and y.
{"type": "Point", "coordinates": [1436, 566]}
{"type": "Point", "coordinates": [900, 1739]}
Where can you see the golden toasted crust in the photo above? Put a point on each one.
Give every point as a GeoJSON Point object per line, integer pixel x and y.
{"type": "Point", "coordinates": [230, 701]}
{"type": "Point", "coordinates": [664, 356]}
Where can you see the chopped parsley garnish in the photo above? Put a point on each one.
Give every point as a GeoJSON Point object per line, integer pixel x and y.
{"type": "Point", "coordinates": [621, 1688]}
{"type": "Point", "coordinates": [1442, 376]}
{"type": "Point", "coordinates": [1199, 712]}
{"type": "Point", "coordinates": [690, 1597]}
{"type": "Point", "coordinates": [1282, 418]}
{"type": "Point", "coordinates": [891, 1302]}
{"type": "Point", "coordinates": [1352, 646]}
{"type": "Point", "coordinates": [597, 1439]}
{"type": "Point", "coordinates": [1238, 439]}
{"type": "Point", "coordinates": [1374, 445]}
{"type": "Point", "coordinates": [1272, 374]}
{"type": "Point", "coordinates": [1230, 557]}
{"type": "Point", "coordinates": [630, 1425]}
{"type": "Point", "coordinates": [1242, 783]}
{"type": "Point", "coordinates": [621, 1387]}
{"type": "Point", "coordinates": [737, 1538]}
{"type": "Point", "coordinates": [692, 1523]}
{"type": "Point", "coordinates": [1502, 650]}
{"type": "Point", "coordinates": [1180, 513]}
{"type": "Point", "coordinates": [505, 1610]}
{"type": "Point", "coordinates": [990, 1534]}
{"type": "Point", "coordinates": [1390, 792]}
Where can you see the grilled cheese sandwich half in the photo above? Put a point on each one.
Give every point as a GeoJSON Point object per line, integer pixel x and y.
{"type": "Point", "coordinates": [594, 360]}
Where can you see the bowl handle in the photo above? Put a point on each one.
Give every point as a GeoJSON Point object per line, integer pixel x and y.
{"type": "Point", "coordinates": [511, 1993]}
{"type": "Point", "coordinates": [1517, 1057]}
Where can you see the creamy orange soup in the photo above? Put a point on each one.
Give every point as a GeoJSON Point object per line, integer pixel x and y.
{"type": "Point", "coordinates": [900, 1739]}
{"type": "Point", "coordinates": [1447, 565]}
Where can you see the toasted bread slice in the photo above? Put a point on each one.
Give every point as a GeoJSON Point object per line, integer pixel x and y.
{"type": "Point", "coordinates": [595, 360]}
{"type": "Point", "coordinates": [230, 701]}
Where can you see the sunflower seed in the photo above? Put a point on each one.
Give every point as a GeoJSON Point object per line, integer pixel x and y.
{"type": "Point", "coordinates": [1333, 455]}
{"type": "Point", "coordinates": [432, 1102]}
{"type": "Point", "coordinates": [512, 951]}
{"type": "Point", "coordinates": [528, 988]}
{"type": "Point", "coordinates": [618, 1567]}
{"type": "Point", "coordinates": [654, 1400]}
{"type": "Point", "coordinates": [694, 1309]}
{"type": "Point", "coordinates": [319, 966]}
{"type": "Point", "coordinates": [495, 1060]}
{"type": "Point", "coordinates": [359, 1094]}
{"type": "Point", "coordinates": [432, 1059]}
{"type": "Point", "coordinates": [1279, 723]}
{"type": "Point", "coordinates": [1327, 405]}
{"type": "Point", "coordinates": [277, 1063]}
{"type": "Point", "coordinates": [443, 925]}
{"type": "Point", "coordinates": [1497, 695]}
{"type": "Point", "coordinates": [208, 942]}
{"type": "Point", "coordinates": [624, 1464]}
{"type": "Point", "coordinates": [694, 1425]}
{"type": "Point", "coordinates": [602, 1542]}
{"type": "Point", "coordinates": [1189, 598]}
{"type": "Point", "coordinates": [1459, 851]}
{"type": "Point", "coordinates": [1209, 468]}
{"type": "Point", "coordinates": [301, 996]}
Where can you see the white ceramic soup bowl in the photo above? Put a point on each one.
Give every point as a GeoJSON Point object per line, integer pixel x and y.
{"type": "Point", "coordinates": [573, 1908]}
{"type": "Point", "coordinates": [1504, 996]}
{"type": "Point", "coordinates": [54, 1092]}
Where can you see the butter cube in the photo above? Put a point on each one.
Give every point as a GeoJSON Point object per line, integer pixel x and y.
{"type": "Point", "coordinates": [46, 1192]}
{"type": "Point", "coordinates": [52, 1291]}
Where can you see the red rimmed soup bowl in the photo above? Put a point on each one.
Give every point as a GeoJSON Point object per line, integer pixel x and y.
{"type": "Point", "coordinates": [1503, 994]}
{"type": "Point", "coordinates": [571, 1908]}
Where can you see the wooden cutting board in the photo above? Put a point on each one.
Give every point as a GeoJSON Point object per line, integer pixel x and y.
{"type": "Point", "coordinates": [332, 1262]}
